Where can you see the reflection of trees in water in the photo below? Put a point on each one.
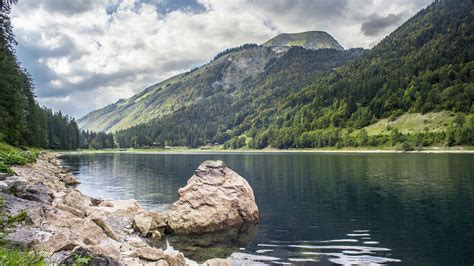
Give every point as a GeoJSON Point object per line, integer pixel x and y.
{"type": "Point", "coordinates": [406, 200]}
{"type": "Point", "coordinates": [221, 244]}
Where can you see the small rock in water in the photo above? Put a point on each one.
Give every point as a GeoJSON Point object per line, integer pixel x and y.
{"type": "Point", "coordinates": [214, 198]}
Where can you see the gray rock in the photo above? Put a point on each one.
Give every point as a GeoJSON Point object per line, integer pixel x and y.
{"type": "Point", "coordinates": [121, 223]}
{"type": "Point", "coordinates": [3, 176]}
{"type": "Point", "coordinates": [217, 262]}
{"type": "Point", "coordinates": [96, 201]}
{"type": "Point", "coordinates": [37, 192]}
{"type": "Point", "coordinates": [4, 187]}
{"type": "Point", "coordinates": [16, 185]}
{"type": "Point", "coordinates": [24, 237]}
{"type": "Point", "coordinates": [13, 205]}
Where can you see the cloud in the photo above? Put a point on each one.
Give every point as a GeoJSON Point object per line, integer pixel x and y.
{"type": "Point", "coordinates": [68, 7]}
{"type": "Point", "coordinates": [376, 24]}
{"type": "Point", "coordinates": [85, 54]}
{"type": "Point", "coordinates": [322, 9]}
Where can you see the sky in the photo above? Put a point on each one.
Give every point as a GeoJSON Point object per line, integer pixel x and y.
{"type": "Point", "coordinates": [86, 54]}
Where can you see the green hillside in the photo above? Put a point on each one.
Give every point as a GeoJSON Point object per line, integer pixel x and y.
{"type": "Point", "coordinates": [225, 113]}
{"type": "Point", "coordinates": [232, 73]}
{"type": "Point", "coordinates": [411, 123]}
{"type": "Point", "coordinates": [302, 98]}
{"type": "Point", "coordinates": [424, 66]}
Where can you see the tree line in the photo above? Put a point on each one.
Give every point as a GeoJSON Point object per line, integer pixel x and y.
{"type": "Point", "coordinates": [22, 121]}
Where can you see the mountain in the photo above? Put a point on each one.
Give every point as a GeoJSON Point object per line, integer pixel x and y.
{"type": "Point", "coordinates": [423, 68]}
{"type": "Point", "coordinates": [309, 40]}
{"type": "Point", "coordinates": [229, 108]}
{"type": "Point", "coordinates": [234, 74]}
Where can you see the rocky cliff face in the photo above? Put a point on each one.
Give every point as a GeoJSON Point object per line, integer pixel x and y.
{"type": "Point", "coordinates": [309, 40]}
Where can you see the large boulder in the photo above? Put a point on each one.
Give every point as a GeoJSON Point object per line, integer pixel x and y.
{"type": "Point", "coordinates": [214, 198]}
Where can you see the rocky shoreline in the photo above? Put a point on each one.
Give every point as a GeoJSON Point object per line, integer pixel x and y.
{"type": "Point", "coordinates": [63, 224]}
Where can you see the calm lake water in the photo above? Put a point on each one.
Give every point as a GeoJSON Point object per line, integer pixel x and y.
{"type": "Point", "coordinates": [397, 209]}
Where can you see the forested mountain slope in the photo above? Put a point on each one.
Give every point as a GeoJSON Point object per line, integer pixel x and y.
{"type": "Point", "coordinates": [233, 74]}
{"type": "Point", "coordinates": [424, 66]}
{"type": "Point", "coordinates": [227, 112]}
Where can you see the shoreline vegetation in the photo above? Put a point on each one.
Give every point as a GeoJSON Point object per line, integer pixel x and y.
{"type": "Point", "coordinates": [184, 150]}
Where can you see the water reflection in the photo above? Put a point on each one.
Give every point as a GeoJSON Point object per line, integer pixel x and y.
{"type": "Point", "coordinates": [420, 207]}
{"type": "Point", "coordinates": [220, 244]}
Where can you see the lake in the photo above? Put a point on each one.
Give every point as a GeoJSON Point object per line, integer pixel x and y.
{"type": "Point", "coordinates": [326, 208]}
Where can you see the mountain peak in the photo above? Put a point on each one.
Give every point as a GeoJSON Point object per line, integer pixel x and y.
{"type": "Point", "coordinates": [310, 40]}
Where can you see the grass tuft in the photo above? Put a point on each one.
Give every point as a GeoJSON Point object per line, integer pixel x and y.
{"type": "Point", "coordinates": [10, 255]}
{"type": "Point", "coordinates": [10, 155]}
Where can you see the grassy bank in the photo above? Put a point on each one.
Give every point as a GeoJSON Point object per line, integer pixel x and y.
{"type": "Point", "coordinates": [10, 155]}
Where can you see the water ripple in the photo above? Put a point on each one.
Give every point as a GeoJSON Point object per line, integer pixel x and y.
{"type": "Point", "coordinates": [339, 251]}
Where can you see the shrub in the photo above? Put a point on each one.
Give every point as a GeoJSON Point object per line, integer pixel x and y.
{"type": "Point", "coordinates": [4, 168]}
{"type": "Point", "coordinates": [406, 146]}
{"type": "Point", "coordinates": [10, 155]}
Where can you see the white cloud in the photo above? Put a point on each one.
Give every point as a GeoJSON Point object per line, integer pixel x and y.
{"type": "Point", "coordinates": [86, 54]}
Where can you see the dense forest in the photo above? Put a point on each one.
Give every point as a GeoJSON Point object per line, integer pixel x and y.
{"type": "Point", "coordinates": [22, 121]}
{"type": "Point", "coordinates": [424, 66]}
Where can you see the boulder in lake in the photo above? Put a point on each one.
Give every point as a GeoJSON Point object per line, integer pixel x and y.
{"type": "Point", "coordinates": [214, 198]}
